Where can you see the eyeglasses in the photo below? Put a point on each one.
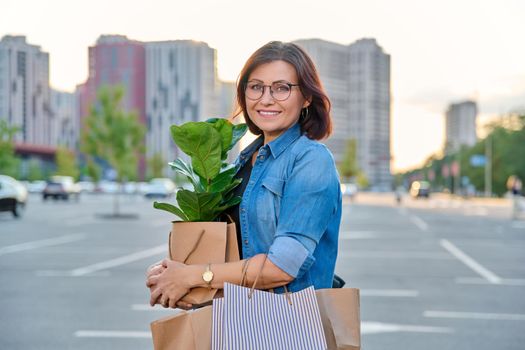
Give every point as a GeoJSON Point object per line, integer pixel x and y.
{"type": "Point", "coordinates": [279, 91]}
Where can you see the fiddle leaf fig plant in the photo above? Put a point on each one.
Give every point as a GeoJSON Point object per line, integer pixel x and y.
{"type": "Point", "coordinates": [212, 177]}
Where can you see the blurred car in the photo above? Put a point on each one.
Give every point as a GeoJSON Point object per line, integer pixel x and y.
{"type": "Point", "coordinates": [36, 186]}
{"type": "Point", "coordinates": [106, 186]}
{"type": "Point", "coordinates": [61, 187]}
{"type": "Point", "coordinates": [160, 188]}
{"type": "Point", "coordinates": [86, 186]}
{"type": "Point", "coordinates": [420, 189]}
{"type": "Point", "coordinates": [349, 189]}
{"type": "Point", "coordinates": [13, 195]}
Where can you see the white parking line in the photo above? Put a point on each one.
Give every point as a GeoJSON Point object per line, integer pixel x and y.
{"type": "Point", "coordinates": [120, 261]}
{"type": "Point", "coordinates": [467, 260]}
{"type": "Point", "coordinates": [389, 293]}
{"type": "Point", "coordinates": [423, 226]}
{"type": "Point", "coordinates": [474, 315]}
{"type": "Point", "coordinates": [148, 307]}
{"type": "Point", "coordinates": [378, 327]}
{"type": "Point", "coordinates": [503, 281]}
{"type": "Point", "coordinates": [112, 334]}
{"type": "Point", "coordinates": [41, 243]}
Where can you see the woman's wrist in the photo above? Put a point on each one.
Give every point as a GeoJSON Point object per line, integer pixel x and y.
{"type": "Point", "coordinates": [194, 276]}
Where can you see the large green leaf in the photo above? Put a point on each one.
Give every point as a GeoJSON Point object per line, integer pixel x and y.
{"type": "Point", "coordinates": [233, 201]}
{"type": "Point", "coordinates": [225, 129]}
{"type": "Point", "coordinates": [222, 180]}
{"type": "Point", "coordinates": [198, 206]}
{"type": "Point", "coordinates": [172, 209]}
{"type": "Point", "coordinates": [203, 143]}
{"type": "Point", "coordinates": [185, 169]}
{"type": "Point", "coordinates": [238, 132]}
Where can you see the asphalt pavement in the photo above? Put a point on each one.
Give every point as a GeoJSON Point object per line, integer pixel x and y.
{"type": "Point", "coordinates": [433, 274]}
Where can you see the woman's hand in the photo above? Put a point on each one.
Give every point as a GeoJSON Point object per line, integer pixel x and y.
{"type": "Point", "coordinates": [168, 286]}
{"type": "Point", "coordinates": [155, 269]}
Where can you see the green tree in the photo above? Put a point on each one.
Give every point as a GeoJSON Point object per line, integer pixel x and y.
{"type": "Point", "coordinates": [93, 170]}
{"type": "Point", "coordinates": [9, 163]}
{"type": "Point", "coordinates": [66, 163]}
{"type": "Point", "coordinates": [362, 180]}
{"type": "Point", "coordinates": [348, 166]}
{"type": "Point", "coordinates": [114, 135]}
{"type": "Point", "coordinates": [155, 165]}
{"type": "Point", "coordinates": [34, 170]}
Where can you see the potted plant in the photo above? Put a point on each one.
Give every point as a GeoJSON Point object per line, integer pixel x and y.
{"type": "Point", "coordinates": [197, 237]}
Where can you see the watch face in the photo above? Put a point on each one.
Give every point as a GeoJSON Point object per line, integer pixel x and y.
{"type": "Point", "coordinates": [207, 276]}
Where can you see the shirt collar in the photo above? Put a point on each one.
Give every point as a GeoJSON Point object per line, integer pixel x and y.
{"type": "Point", "coordinates": [278, 145]}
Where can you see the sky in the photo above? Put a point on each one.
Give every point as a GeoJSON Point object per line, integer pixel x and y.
{"type": "Point", "coordinates": [441, 51]}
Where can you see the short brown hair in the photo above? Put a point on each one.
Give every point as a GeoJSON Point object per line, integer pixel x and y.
{"type": "Point", "coordinates": [317, 123]}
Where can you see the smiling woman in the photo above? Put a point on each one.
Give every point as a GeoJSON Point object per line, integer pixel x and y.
{"type": "Point", "coordinates": [290, 211]}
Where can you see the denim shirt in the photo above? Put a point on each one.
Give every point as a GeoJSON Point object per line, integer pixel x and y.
{"type": "Point", "coordinates": [291, 208]}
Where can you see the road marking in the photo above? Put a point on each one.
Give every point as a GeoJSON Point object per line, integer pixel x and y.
{"type": "Point", "coordinates": [474, 315]}
{"type": "Point", "coordinates": [467, 260]}
{"type": "Point", "coordinates": [395, 255]}
{"type": "Point", "coordinates": [503, 281]}
{"type": "Point", "coordinates": [62, 273]}
{"type": "Point", "coordinates": [396, 293]}
{"type": "Point", "coordinates": [126, 259]}
{"type": "Point", "coordinates": [423, 226]}
{"type": "Point", "coordinates": [378, 327]}
{"type": "Point", "coordinates": [112, 334]}
{"type": "Point", "coordinates": [41, 243]}
{"type": "Point", "coordinates": [366, 328]}
{"type": "Point", "coordinates": [148, 307]}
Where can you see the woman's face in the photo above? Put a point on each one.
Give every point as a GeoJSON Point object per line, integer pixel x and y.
{"type": "Point", "coordinates": [270, 115]}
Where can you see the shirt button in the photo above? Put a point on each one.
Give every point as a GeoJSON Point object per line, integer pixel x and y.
{"type": "Point", "coordinates": [246, 241]}
{"type": "Point", "coordinates": [243, 210]}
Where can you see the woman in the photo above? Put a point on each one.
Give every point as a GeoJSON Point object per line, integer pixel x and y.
{"type": "Point", "coordinates": [291, 202]}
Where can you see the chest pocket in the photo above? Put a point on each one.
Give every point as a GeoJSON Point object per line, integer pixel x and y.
{"type": "Point", "coordinates": [269, 200]}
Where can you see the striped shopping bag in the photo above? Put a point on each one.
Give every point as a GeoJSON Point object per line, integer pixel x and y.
{"type": "Point", "coordinates": [255, 319]}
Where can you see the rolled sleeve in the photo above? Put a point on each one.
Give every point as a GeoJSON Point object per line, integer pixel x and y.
{"type": "Point", "coordinates": [291, 256]}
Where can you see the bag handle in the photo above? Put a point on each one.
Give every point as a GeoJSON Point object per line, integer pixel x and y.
{"type": "Point", "coordinates": [243, 280]}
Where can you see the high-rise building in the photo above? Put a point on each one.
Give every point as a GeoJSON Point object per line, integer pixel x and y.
{"type": "Point", "coordinates": [460, 121]}
{"type": "Point", "coordinates": [357, 80]}
{"type": "Point", "coordinates": [181, 86]}
{"type": "Point", "coordinates": [24, 91]}
{"type": "Point", "coordinates": [332, 62]}
{"type": "Point", "coordinates": [369, 110]}
{"type": "Point", "coordinates": [67, 122]}
{"type": "Point", "coordinates": [116, 60]}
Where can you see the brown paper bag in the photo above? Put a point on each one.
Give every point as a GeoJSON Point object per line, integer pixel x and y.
{"type": "Point", "coordinates": [340, 314]}
{"type": "Point", "coordinates": [203, 243]}
{"type": "Point", "coordinates": [187, 330]}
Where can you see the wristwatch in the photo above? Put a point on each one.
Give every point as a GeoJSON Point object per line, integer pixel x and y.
{"type": "Point", "coordinates": [207, 276]}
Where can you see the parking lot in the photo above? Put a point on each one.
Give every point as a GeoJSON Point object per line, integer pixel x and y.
{"type": "Point", "coordinates": [432, 274]}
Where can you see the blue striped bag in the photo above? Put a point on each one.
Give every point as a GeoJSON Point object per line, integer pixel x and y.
{"type": "Point", "coordinates": [253, 319]}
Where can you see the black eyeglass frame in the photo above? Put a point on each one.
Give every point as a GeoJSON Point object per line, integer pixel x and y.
{"type": "Point", "coordinates": [290, 85]}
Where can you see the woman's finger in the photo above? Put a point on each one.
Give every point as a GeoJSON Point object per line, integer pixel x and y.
{"type": "Point", "coordinates": [151, 281]}
{"type": "Point", "coordinates": [183, 305]}
{"type": "Point", "coordinates": [155, 294]}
